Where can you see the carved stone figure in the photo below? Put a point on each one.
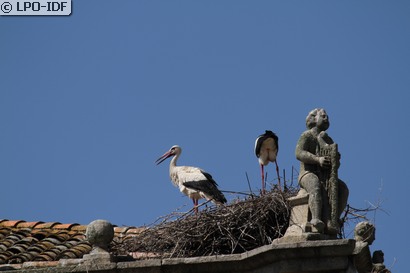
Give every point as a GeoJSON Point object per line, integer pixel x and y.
{"type": "Point", "coordinates": [378, 262]}
{"type": "Point", "coordinates": [319, 163]}
{"type": "Point", "coordinates": [365, 234]}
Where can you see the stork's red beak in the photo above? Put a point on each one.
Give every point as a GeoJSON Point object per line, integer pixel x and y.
{"type": "Point", "coordinates": [163, 157]}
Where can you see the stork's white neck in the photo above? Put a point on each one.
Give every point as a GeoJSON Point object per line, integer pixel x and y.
{"type": "Point", "coordinates": [173, 162]}
{"type": "Point", "coordinates": [172, 170]}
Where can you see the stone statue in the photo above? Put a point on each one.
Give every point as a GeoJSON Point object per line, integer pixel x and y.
{"type": "Point", "coordinates": [319, 162]}
{"type": "Point", "coordinates": [378, 262]}
{"type": "Point", "coordinates": [365, 234]}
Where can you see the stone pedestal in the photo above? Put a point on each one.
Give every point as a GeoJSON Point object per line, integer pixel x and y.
{"type": "Point", "coordinates": [300, 214]}
{"type": "Point", "coordinates": [300, 228]}
{"type": "Point", "coordinates": [98, 258]}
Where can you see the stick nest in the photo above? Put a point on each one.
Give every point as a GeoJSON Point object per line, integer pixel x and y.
{"type": "Point", "coordinates": [235, 228]}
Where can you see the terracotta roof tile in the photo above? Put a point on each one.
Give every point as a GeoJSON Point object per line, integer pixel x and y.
{"type": "Point", "coordinates": [80, 228]}
{"type": "Point", "coordinates": [45, 243]}
{"type": "Point", "coordinates": [134, 231]}
{"type": "Point", "coordinates": [65, 226]}
{"type": "Point", "coordinates": [22, 241]}
{"type": "Point", "coordinates": [11, 224]}
{"type": "Point", "coordinates": [76, 251]}
{"type": "Point", "coordinates": [120, 229]}
{"type": "Point", "coordinates": [23, 224]}
{"type": "Point", "coordinates": [47, 225]}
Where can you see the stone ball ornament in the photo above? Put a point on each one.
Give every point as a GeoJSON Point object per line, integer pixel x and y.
{"type": "Point", "coordinates": [100, 234]}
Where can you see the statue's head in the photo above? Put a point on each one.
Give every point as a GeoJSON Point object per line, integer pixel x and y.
{"type": "Point", "coordinates": [317, 118]}
{"type": "Point", "coordinates": [365, 231]}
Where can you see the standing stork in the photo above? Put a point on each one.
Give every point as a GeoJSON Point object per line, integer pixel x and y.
{"type": "Point", "coordinates": [192, 181]}
{"type": "Point", "coordinates": [266, 150]}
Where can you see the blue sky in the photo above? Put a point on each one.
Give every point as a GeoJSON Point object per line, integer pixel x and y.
{"type": "Point", "coordinates": [89, 101]}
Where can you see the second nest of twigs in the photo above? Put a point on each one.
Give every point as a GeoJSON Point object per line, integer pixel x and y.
{"type": "Point", "coordinates": [235, 228]}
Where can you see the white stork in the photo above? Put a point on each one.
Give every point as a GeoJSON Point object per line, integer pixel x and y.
{"type": "Point", "coordinates": [266, 150]}
{"type": "Point", "coordinates": [192, 181]}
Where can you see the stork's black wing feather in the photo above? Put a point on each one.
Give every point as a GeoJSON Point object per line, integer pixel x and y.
{"type": "Point", "coordinates": [209, 177]}
{"type": "Point", "coordinates": [208, 186]}
{"type": "Point", "coordinates": [258, 145]}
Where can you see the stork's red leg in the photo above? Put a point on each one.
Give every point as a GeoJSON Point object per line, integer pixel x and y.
{"type": "Point", "coordinates": [195, 205]}
{"type": "Point", "coordinates": [263, 179]}
{"type": "Point", "coordinates": [277, 172]}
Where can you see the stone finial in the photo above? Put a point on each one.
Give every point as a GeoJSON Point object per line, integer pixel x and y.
{"type": "Point", "coordinates": [100, 234]}
{"type": "Point", "coordinates": [365, 232]}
